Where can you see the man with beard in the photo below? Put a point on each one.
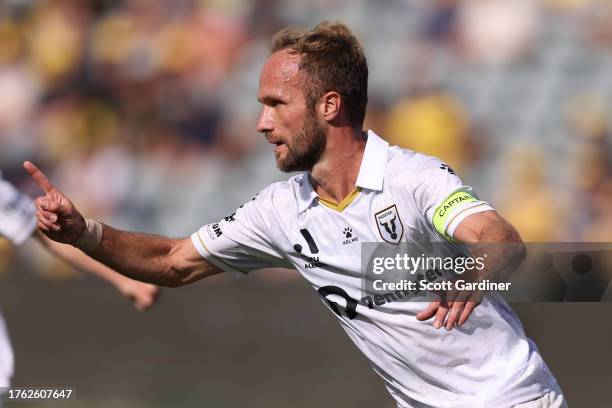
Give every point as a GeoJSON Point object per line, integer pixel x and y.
{"type": "Point", "coordinates": [357, 188]}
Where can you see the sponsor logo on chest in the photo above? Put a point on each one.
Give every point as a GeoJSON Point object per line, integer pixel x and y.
{"type": "Point", "coordinates": [311, 261]}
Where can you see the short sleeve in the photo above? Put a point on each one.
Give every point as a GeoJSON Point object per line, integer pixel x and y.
{"type": "Point", "coordinates": [443, 199]}
{"type": "Point", "coordinates": [17, 214]}
{"type": "Point", "coordinates": [243, 241]}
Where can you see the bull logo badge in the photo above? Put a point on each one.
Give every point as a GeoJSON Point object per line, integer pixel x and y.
{"type": "Point", "coordinates": [390, 225]}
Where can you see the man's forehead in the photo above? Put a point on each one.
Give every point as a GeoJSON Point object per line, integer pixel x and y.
{"type": "Point", "coordinates": [281, 66]}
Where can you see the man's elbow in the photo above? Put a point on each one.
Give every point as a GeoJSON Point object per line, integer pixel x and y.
{"type": "Point", "coordinates": [175, 269]}
{"type": "Point", "coordinates": [174, 277]}
{"type": "Point", "coordinates": [185, 265]}
{"type": "Point", "coordinates": [520, 252]}
{"type": "Point", "coordinates": [181, 272]}
{"type": "Point", "coordinates": [516, 249]}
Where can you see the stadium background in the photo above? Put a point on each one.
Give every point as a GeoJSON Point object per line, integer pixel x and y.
{"type": "Point", "coordinates": [144, 113]}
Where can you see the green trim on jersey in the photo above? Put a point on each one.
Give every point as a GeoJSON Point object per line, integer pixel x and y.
{"type": "Point", "coordinates": [443, 211]}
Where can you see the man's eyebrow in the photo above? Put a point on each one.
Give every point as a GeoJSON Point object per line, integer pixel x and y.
{"type": "Point", "coordinates": [268, 99]}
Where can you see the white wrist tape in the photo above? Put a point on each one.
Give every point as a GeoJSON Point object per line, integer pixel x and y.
{"type": "Point", "coordinates": [91, 236]}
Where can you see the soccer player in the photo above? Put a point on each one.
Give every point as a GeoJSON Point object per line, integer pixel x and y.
{"type": "Point", "coordinates": [356, 188]}
{"type": "Point", "coordinates": [17, 224]}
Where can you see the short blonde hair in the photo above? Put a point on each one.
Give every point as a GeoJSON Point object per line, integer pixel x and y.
{"type": "Point", "coordinates": [333, 60]}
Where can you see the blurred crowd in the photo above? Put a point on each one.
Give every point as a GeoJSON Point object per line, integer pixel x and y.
{"type": "Point", "coordinates": [144, 111]}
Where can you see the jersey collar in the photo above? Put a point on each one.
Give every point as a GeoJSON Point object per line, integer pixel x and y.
{"type": "Point", "coordinates": [371, 171]}
{"type": "Point", "coordinates": [306, 194]}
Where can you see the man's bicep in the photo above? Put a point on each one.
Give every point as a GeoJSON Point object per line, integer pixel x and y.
{"type": "Point", "coordinates": [237, 247]}
{"type": "Point", "coordinates": [443, 199]}
{"type": "Point", "coordinates": [487, 224]}
{"type": "Point", "coordinates": [244, 241]}
{"type": "Point", "coordinates": [189, 264]}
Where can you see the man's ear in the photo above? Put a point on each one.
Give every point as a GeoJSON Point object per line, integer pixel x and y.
{"type": "Point", "coordinates": [329, 106]}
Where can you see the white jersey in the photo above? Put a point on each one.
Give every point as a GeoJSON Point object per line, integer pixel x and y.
{"type": "Point", "coordinates": [17, 214]}
{"type": "Point", "coordinates": [400, 196]}
{"type": "Point", "coordinates": [17, 223]}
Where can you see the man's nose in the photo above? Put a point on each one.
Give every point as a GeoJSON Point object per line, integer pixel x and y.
{"type": "Point", "coordinates": [264, 123]}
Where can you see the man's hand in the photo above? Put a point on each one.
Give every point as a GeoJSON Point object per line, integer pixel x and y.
{"type": "Point", "coordinates": [489, 236]}
{"type": "Point", "coordinates": [453, 310]}
{"type": "Point", "coordinates": [57, 217]}
{"type": "Point", "coordinates": [142, 295]}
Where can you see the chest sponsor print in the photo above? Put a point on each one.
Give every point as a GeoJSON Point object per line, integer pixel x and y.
{"type": "Point", "coordinates": [311, 261]}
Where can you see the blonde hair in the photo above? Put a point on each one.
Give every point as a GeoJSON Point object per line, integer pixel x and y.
{"type": "Point", "coordinates": [333, 60]}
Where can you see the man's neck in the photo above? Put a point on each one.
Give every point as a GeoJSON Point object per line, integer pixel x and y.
{"type": "Point", "coordinates": [335, 175]}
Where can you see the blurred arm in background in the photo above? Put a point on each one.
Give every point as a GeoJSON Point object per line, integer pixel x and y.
{"type": "Point", "coordinates": [142, 295]}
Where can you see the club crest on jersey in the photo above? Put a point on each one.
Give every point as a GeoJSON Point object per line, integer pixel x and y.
{"type": "Point", "coordinates": [389, 225]}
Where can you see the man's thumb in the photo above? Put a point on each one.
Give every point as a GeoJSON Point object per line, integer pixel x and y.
{"type": "Point", "coordinates": [52, 206]}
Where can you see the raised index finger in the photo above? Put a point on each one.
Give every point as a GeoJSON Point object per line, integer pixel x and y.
{"type": "Point", "coordinates": [39, 177]}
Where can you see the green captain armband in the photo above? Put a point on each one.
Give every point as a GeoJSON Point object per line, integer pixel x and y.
{"type": "Point", "coordinates": [445, 209]}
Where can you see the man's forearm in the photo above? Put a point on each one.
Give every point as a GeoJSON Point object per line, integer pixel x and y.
{"type": "Point", "coordinates": [503, 250]}
{"type": "Point", "coordinates": [149, 258]}
{"type": "Point", "coordinates": [143, 257]}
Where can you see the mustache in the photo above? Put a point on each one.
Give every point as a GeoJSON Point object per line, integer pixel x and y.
{"type": "Point", "coordinates": [269, 137]}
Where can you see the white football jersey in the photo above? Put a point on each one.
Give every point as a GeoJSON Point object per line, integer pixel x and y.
{"type": "Point", "coordinates": [17, 214]}
{"type": "Point", "coordinates": [17, 223]}
{"type": "Point", "coordinates": [400, 197]}
{"type": "Point", "coordinates": [6, 357]}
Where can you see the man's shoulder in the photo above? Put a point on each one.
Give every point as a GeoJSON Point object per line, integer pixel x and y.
{"type": "Point", "coordinates": [406, 165]}
{"type": "Point", "coordinates": [282, 192]}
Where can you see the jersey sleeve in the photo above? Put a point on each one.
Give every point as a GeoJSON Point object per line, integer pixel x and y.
{"type": "Point", "coordinates": [443, 199]}
{"type": "Point", "coordinates": [242, 242]}
{"type": "Point", "coordinates": [17, 214]}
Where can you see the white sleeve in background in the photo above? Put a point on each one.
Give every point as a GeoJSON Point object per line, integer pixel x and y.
{"type": "Point", "coordinates": [17, 214]}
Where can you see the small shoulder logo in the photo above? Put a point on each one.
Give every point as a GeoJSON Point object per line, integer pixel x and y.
{"type": "Point", "coordinates": [214, 231]}
{"type": "Point", "coordinates": [390, 225]}
{"type": "Point", "coordinates": [217, 229]}
{"type": "Point", "coordinates": [232, 216]}
{"type": "Point", "coordinates": [349, 235]}
{"type": "Point", "coordinates": [446, 167]}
